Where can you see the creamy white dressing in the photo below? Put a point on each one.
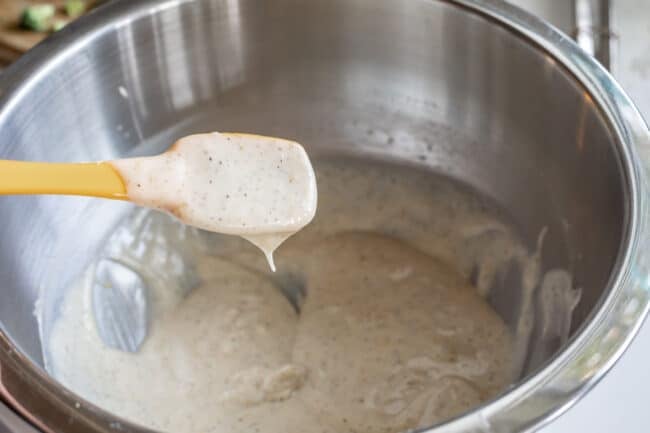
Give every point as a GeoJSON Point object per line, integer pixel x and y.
{"type": "Point", "coordinates": [393, 332]}
{"type": "Point", "coordinates": [260, 188]}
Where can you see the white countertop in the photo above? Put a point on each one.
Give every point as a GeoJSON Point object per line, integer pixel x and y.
{"type": "Point", "coordinates": [619, 403]}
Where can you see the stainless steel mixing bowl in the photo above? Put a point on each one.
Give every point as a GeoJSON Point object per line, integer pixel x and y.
{"type": "Point", "coordinates": [475, 90]}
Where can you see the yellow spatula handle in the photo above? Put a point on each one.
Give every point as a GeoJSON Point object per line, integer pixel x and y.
{"type": "Point", "coordinates": [97, 179]}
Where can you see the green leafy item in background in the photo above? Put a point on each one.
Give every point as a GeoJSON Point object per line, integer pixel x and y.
{"type": "Point", "coordinates": [75, 8]}
{"type": "Point", "coordinates": [58, 25]}
{"type": "Point", "coordinates": [38, 17]}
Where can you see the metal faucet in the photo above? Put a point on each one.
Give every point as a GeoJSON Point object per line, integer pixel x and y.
{"type": "Point", "coordinates": [592, 28]}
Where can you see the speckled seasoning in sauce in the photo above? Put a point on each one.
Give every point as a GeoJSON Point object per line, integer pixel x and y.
{"type": "Point", "coordinates": [390, 334]}
{"type": "Point", "coordinates": [260, 188]}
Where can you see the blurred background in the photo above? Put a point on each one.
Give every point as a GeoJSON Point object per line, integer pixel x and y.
{"type": "Point", "coordinates": [24, 23]}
